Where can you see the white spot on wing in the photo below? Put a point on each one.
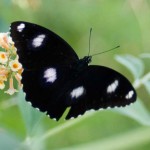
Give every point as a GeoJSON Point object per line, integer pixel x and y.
{"type": "Point", "coordinates": [112, 87]}
{"type": "Point", "coordinates": [37, 41]}
{"type": "Point", "coordinates": [50, 75]}
{"type": "Point", "coordinates": [29, 103]}
{"type": "Point", "coordinates": [77, 92]}
{"type": "Point", "coordinates": [129, 95]}
{"type": "Point", "coordinates": [71, 118]}
{"type": "Point", "coordinates": [37, 109]}
{"type": "Point", "coordinates": [21, 27]}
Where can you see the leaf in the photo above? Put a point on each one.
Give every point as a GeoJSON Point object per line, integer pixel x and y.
{"type": "Point", "coordinates": [136, 111]}
{"type": "Point", "coordinates": [8, 141]}
{"type": "Point", "coordinates": [124, 141]}
{"type": "Point", "coordinates": [145, 55]}
{"type": "Point", "coordinates": [147, 86]}
{"type": "Point", "coordinates": [133, 64]}
{"type": "Point", "coordinates": [31, 116]}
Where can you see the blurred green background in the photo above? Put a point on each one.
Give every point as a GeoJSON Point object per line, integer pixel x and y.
{"type": "Point", "coordinates": [117, 22]}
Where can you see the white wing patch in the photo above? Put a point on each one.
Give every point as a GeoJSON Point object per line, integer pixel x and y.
{"type": "Point", "coordinates": [37, 41]}
{"type": "Point", "coordinates": [21, 27]}
{"type": "Point", "coordinates": [77, 92]}
{"type": "Point", "coordinates": [129, 95]}
{"type": "Point", "coordinates": [113, 86]}
{"type": "Point", "coordinates": [50, 75]}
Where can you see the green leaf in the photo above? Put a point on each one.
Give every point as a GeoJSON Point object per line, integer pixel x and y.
{"type": "Point", "coordinates": [133, 64]}
{"type": "Point", "coordinates": [31, 116]}
{"type": "Point", "coordinates": [136, 111]}
{"type": "Point", "coordinates": [145, 55]}
{"type": "Point", "coordinates": [147, 86]}
{"type": "Point", "coordinates": [8, 141]}
{"type": "Point", "coordinates": [123, 141]}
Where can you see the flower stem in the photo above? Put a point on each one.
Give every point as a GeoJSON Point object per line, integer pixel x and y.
{"type": "Point", "coordinates": [63, 126]}
{"type": "Point", "coordinates": [141, 81]}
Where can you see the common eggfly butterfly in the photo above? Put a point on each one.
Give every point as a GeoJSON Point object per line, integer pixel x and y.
{"type": "Point", "coordinates": [54, 78]}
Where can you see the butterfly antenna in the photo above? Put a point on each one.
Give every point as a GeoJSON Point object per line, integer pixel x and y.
{"type": "Point", "coordinates": [90, 41]}
{"type": "Point", "coordinates": [106, 51]}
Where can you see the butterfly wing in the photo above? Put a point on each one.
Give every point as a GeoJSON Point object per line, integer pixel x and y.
{"type": "Point", "coordinates": [44, 89]}
{"type": "Point", "coordinates": [99, 87]}
{"type": "Point", "coordinates": [48, 66]}
{"type": "Point", "coordinates": [38, 47]}
{"type": "Point", "coordinates": [47, 60]}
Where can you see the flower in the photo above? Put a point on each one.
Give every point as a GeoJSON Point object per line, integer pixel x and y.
{"type": "Point", "coordinates": [11, 89]}
{"type": "Point", "coordinates": [15, 65]}
{"type": "Point", "coordinates": [3, 57]}
{"type": "Point", "coordinates": [4, 41]}
{"type": "Point", "coordinates": [10, 40]}
{"type": "Point", "coordinates": [18, 78]}
{"type": "Point", "coordinates": [2, 85]}
{"type": "Point", "coordinates": [3, 78]}
{"type": "Point", "coordinates": [10, 68]}
{"type": "Point", "coordinates": [3, 73]}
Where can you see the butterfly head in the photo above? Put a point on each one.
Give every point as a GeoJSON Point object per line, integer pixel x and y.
{"type": "Point", "coordinates": [87, 59]}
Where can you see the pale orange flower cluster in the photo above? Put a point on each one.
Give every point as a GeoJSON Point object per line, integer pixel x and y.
{"type": "Point", "coordinates": [10, 68]}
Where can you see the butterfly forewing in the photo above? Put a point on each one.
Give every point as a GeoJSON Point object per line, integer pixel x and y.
{"type": "Point", "coordinates": [39, 47]}
{"type": "Point", "coordinates": [47, 60]}
{"type": "Point", "coordinates": [54, 78]}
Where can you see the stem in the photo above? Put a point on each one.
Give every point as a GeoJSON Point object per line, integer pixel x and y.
{"type": "Point", "coordinates": [128, 140]}
{"type": "Point", "coordinates": [62, 127]}
{"type": "Point", "coordinates": [141, 81]}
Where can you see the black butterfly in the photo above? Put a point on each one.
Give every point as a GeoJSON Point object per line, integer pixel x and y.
{"type": "Point", "coordinates": [54, 78]}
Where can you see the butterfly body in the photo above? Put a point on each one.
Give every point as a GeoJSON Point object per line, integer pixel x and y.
{"type": "Point", "coordinates": [54, 78]}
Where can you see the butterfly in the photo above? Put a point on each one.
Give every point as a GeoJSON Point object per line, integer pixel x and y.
{"type": "Point", "coordinates": [54, 78]}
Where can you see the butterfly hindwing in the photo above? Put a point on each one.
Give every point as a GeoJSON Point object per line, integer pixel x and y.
{"type": "Point", "coordinates": [99, 87]}
{"type": "Point", "coordinates": [38, 46]}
